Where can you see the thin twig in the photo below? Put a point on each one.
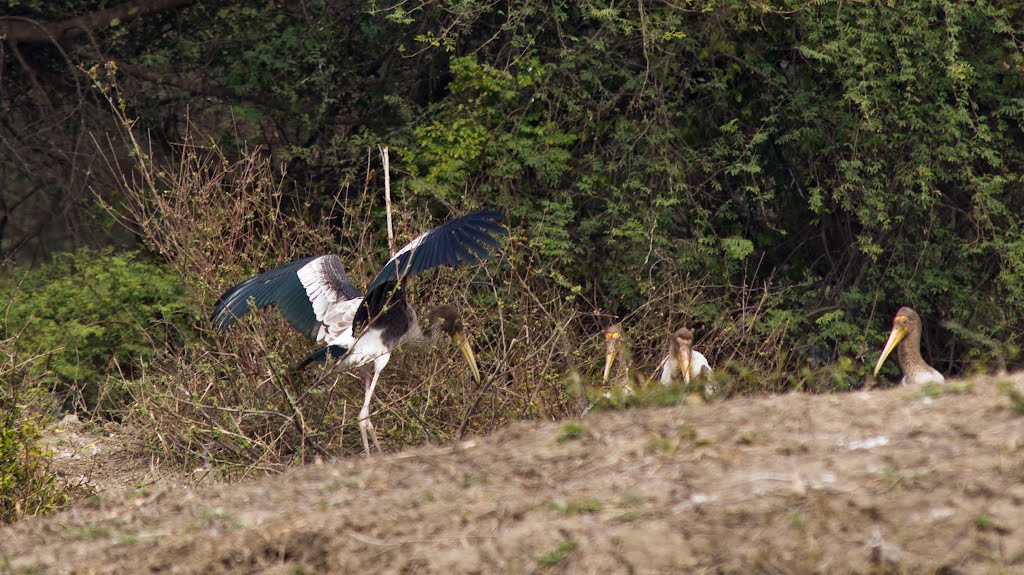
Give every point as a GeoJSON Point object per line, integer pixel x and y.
{"type": "Point", "coordinates": [387, 197]}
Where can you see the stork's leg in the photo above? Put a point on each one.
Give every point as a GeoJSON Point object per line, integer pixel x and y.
{"type": "Point", "coordinates": [365, 425]}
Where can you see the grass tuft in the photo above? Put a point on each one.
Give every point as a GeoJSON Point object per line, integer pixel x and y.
{"type": "Point", "coordinates": [571, 430]}
{"type": "Point", "coordinates": [1014, 395]}
{"type": "Point", "coordinates": [559, 554]}
{"type": "Point", "coordinates": [589, 505]}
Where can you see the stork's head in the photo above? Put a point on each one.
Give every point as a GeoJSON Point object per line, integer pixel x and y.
{"type": "Point", "coordinates": [906, 321]}
{"type": "Point", "coordinates": [446, 319]}
{"type": "Point", "coordinates": [612, 346]}
{"type": "Point", "coordinates": [682, 345]}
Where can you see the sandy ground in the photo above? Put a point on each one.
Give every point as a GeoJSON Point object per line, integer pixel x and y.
{"type": "Point", "coordinates": [906, 480]}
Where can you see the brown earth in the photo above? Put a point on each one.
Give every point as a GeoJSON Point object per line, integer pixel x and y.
{"type": "Point", "coordinates": [906, 480]}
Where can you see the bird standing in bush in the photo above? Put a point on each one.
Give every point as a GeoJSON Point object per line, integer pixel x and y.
{"type": "Point", "coordinates": [685, 361]}
{"type": "Point", "coordinates": [682, 360]}
{"type": "Point", "coordinates": [906, 333]}
{"type": "Point", "coordinates": [615, 345]}
{"type": "Point", "coordinates": [317, 298]}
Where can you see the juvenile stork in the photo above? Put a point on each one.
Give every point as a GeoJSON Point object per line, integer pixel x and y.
{"type": "Point", "coordinates": [906, 334]}
{"type": "Point", "coordinates": [317, 298]}
{"type": "Point", "coordinates": [614, 346]}
{"type": "Point", "coordinates": [682, 360]}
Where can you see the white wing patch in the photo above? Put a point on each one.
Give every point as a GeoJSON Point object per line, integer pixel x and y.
{"type": "Point", "coordinates": [332, 308]}
{"type": "Point", "coordinates": [699, 364]}
{"type": "Point", "coordinates": [411, 246]}
{"type": "Point", "coordinates": [670, 369]}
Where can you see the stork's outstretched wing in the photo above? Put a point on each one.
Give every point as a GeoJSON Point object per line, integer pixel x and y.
{"type": "Point", "coordinates": [462, 240]}
{"type": "Point", "coordinates": [313, 294]}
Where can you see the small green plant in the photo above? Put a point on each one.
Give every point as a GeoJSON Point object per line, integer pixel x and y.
{"type": "Point", "coordinates": [1014, 395]}
{"type": "Point", "coordinates": [89, 532]}
{"type": "Point", "coordinates": [983, 523]}
{"type": "Point", "coordinates": [795, 519]}
{"type": "Point", "coordinates": [571, 430]}
{"type": "Point", "coordinates": [688, 432]}
{"type": "Point", "coordinates": [559, 554]}
{"type": "Point", "coordinates": [589, 505]}
{"type": "Point", "coordinates": [631, 515]}
{"type": "Point", "coordinates": [218, 518]}
{"type": "Point", "coordinates": [889, 472]}
{"type": "Point", "coordinates": [661, 444]}
{"type": "Point", "coordinates": [936, 390]}
{"type": "Point", "coordinates": [28, 486]}
{"type": "Point", "coordinates": [747, 438]}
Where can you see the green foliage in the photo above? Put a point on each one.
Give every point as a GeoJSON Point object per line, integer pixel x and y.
{"type": "Point", "coordinates": [93, 318]}
{"type": "Point", "coordinates": [778, 176]}
{"type": "Point", "coordinates": [826, 142]}
{"type": "Point", "coordinates": [28, 486]}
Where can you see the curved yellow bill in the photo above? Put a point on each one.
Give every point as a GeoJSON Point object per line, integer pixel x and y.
{"type": "Point", "coordinates": [895, 336]}
{"type": "Point", "coordinates": [467, 352]}
{"type": "Point", "coordinates": [609, 359]}
{"type": "Point", "coordinates": [684, 364]}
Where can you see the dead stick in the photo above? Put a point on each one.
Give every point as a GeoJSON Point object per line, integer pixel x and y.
{"type": "Point", "coordinates": [387, 197]}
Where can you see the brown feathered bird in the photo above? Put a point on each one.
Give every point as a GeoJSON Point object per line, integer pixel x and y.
{"type": "Point", "coordinates": [906, 338]}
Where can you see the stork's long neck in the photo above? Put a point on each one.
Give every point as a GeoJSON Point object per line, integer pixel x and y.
{"type": "Point", "coordinates": [909, 353]}
{"type": "Point", "coordinates": [624, 361]}
{"type": "Point", "coordinates": [418, 338]}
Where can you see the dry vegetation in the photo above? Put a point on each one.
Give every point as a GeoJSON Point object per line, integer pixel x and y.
{"type": "Point", "coordinates": [229, 401]}
{"type": "Point", "coordinates": [905, 480]}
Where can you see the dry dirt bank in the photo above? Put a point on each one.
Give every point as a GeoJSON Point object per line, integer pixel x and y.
{"type": "Point", "coordinates": [905, 480]}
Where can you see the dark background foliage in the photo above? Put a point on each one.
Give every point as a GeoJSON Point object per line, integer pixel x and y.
{"type": "Point", "coordinates": [781, 176]}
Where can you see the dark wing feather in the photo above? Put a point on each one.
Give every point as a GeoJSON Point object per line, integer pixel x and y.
{"type": "Point", "coordinates": [302, 305]}
{"type": "Point", "coordinates": [463, 240]}
{"type": "Point", "coordinates": [442, 246]}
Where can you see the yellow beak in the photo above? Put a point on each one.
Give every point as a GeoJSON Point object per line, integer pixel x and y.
{"type": "Point", "coordinates": [609, 359]}
{"type": "Point", "coordinates": [684, 364]}
{"type": "Point", "coordinates": [467, 352]}
{"type": "Point", "coordinates": [895, 336]}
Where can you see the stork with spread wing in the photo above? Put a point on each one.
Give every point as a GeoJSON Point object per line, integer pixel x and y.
{"type": "Point", "coordinates": [317, 298]}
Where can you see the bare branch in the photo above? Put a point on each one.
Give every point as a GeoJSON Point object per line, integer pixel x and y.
{"type": "Point", "coordinates": [18, 29]}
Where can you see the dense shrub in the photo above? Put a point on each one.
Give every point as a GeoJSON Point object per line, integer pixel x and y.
{"type": "Point", "coordinates": [27, 485]}
{"type": "Point", "coordinates": [849, 158]}
{"type": "Point", "coordinates": [95, 318]}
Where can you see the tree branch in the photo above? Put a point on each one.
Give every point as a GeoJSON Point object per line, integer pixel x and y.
{"type": "Point", "coordinates": [18, 29]}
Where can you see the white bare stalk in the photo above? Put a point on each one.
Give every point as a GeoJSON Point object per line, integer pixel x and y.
{"type": "Point", "coordinates": [387, 197]}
